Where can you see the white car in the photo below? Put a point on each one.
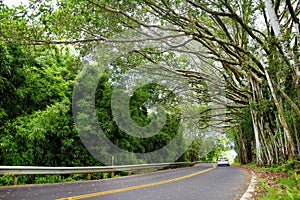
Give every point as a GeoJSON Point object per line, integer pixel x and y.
{"type": "Point", "coordinates": [223, 161]}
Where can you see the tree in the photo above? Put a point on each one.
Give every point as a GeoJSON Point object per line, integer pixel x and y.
{"type": "Point", "coordinates": [257, 57]}
{"type": "Point", "coordinates": [36, 122]}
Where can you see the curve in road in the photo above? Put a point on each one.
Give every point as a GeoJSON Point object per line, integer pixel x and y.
{"type": "Point", "coordinates": [198, 182]}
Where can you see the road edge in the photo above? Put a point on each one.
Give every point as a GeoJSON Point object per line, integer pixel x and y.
{"type": "Point", "coordinates": [251, 188]}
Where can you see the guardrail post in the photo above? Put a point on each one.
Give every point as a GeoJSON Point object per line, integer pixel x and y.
{"type": "Point", "coordinates": [112, 164]}
{"type": "Point", "coordinates": [15, 180]}
{"type": "Point", "coordinates": [89, 176]}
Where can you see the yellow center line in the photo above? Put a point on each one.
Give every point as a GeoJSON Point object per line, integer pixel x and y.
{"type": "Point", "coordinates": [96, 194]}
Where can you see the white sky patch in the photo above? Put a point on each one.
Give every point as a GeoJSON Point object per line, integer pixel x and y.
{"type": "Point", "coordinates": [12, 3]}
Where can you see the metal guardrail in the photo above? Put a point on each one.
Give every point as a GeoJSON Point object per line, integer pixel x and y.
{"type": "Point", "coordinates": [36, 170]}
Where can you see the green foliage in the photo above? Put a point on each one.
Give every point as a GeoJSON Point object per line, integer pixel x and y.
{"type": "Point", "coordinates": [105, 175]}
{"type": "Point", "coordinates": [36, 124]}
{"type": "Point", "coordinates": [48, 179]}
{"type": "Point", "coordinates": [243, 135]}
{"type": "Point", "coordinates": [290, 166]}
{"type": "Point", "coordinates": [139, 114]}
{"type": "Point", "coordinates": [288, 187]}
{"type": "Point", "coordinates": [291, 186]}
{"type": "Point", "coordinates": [7, 179]}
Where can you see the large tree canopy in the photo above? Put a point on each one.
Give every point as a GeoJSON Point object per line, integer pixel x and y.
{"type": "Point", "coordinates": [251, 46]}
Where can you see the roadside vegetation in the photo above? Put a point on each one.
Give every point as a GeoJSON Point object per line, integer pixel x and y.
{"type": "Point", "coordinates": [7, 180]}
{"type": "Point", "coordinates": [280, 181]}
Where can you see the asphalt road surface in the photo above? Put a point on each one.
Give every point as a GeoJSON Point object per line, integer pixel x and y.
{"type": "Point", "coordinates": [199, 182]}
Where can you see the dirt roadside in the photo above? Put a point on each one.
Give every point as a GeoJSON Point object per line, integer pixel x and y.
{"type": "Point", "coordinates": [266, 177]}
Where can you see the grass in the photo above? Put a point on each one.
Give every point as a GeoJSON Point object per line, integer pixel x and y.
{"type": "Point", "coordinates": [286, 189]}
{"type": "Point", "coordinates": [277, 182]}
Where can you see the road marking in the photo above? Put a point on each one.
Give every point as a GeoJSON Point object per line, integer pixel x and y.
{"type": "Point", "coordinates": [96, 194]}
{"type": "Point", "coordinates": [251, 188]}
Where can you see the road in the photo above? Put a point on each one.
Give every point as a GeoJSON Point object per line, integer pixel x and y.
{"type": "Point", "coordinates": [198, 182]}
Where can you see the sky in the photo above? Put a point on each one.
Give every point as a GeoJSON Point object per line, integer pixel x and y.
{"type": "Point", "coordinates": [11, 3]}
